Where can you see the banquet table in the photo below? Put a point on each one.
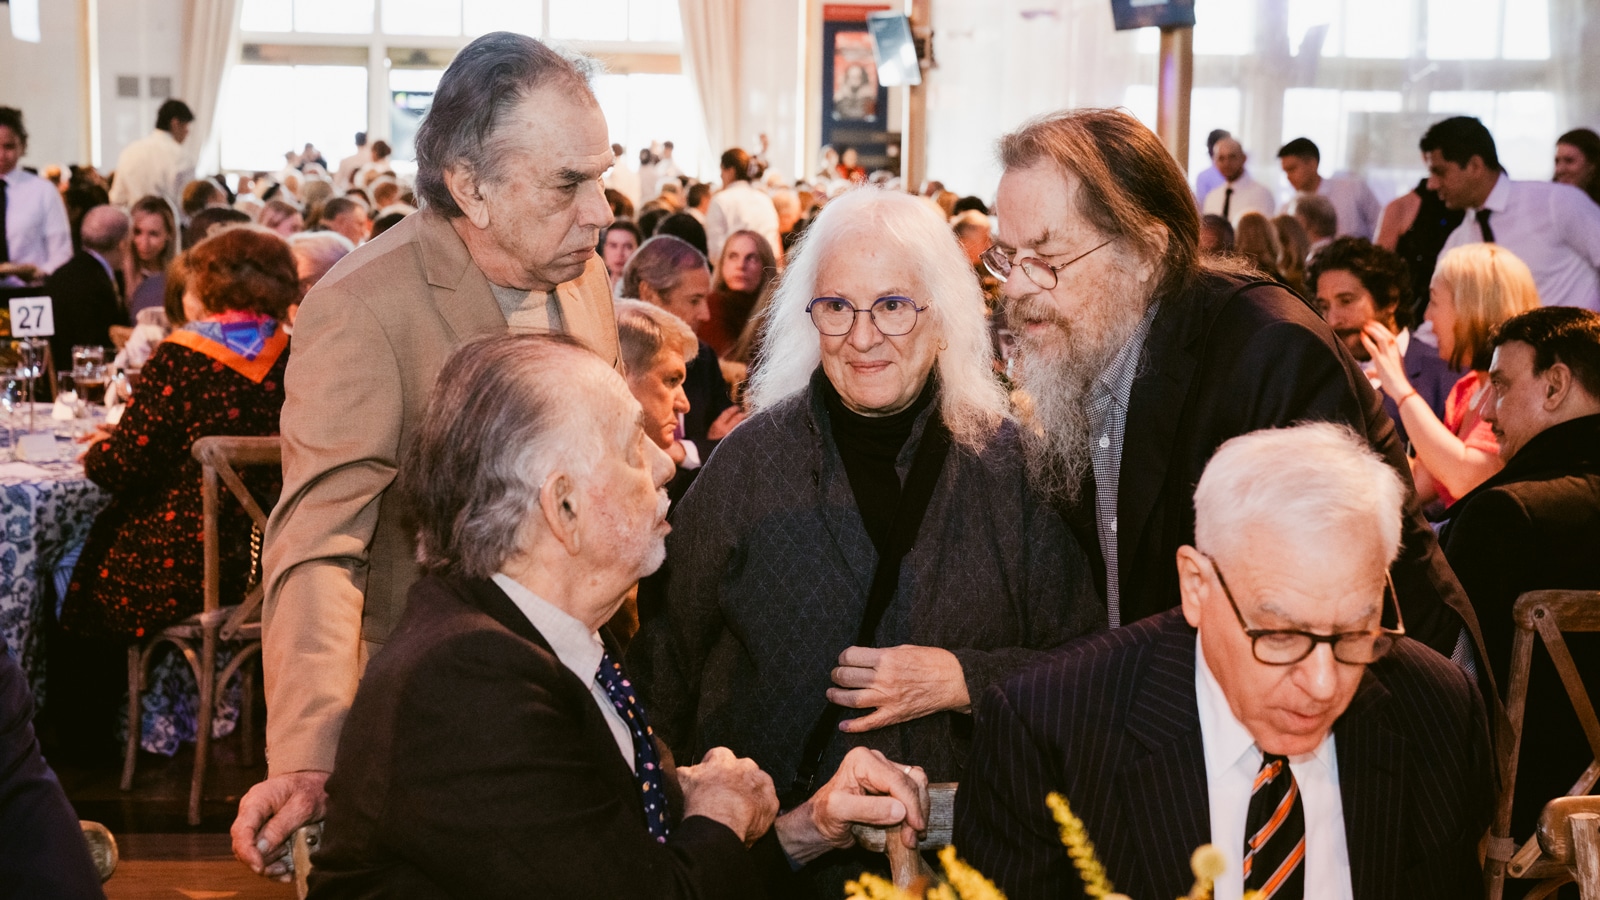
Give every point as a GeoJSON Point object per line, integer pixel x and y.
{"type": "Point", "coordinates": [46, 509]}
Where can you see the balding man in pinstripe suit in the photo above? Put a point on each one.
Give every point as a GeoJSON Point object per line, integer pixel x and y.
{"type": "Point", "coordinates": [1280, 714]}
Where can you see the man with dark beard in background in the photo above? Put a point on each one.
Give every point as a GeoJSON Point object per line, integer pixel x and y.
{"type": "Point", "coordinates": [1139, 358]}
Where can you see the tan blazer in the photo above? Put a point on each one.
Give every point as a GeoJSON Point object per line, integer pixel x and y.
{"type": "Point", "coordinates": [369, 342]}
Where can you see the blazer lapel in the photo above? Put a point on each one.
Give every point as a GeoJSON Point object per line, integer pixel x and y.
{"type": "Point", "coordinates": [587, 307]}
{"type": "Point", "coordinates": [1165, 791]}
{"type": "Point", "coordinates": [1152, 427]}
{"type": "Point", "coordinates": [1370, 752]}
{"type": "Point", "coordinates": [460, 290]}
{"type": "Point", "coordinates": [488, 597]}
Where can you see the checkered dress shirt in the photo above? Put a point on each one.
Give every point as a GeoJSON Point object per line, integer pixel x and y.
{"type": "Point", "coordinates": [1108, 419]}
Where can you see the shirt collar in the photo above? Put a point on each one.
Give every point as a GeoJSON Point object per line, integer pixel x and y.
{"type": "Point", "coordinates": [110, 273]}
{"type": "Point", "coordinates": [1227, 743]}
{"type": "Point", "coordinates": [1500, 195]}
{"type": "Point", "coordinates": [1116, 382]}
{"type": "Point", "coordinates": [578, 648]}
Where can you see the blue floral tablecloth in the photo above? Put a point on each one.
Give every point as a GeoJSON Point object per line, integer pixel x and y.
{"type": "Point", "coordinates": [46, 509]}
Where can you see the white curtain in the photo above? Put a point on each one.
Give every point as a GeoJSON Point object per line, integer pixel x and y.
{"type": "Point", "coordinates": [211, 45]}
{"type": "Point", "coordinates": [711, 60]}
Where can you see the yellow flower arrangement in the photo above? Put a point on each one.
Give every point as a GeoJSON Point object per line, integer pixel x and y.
{"type": "Point", "coordinates": [963, 882]}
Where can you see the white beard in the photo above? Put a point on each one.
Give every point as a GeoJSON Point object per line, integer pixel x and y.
{"type": "Point", "coordinates": [1058, 369]}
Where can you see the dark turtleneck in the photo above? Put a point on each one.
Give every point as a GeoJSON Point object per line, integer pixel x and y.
{"type": "Point", "coordinates": [869, 446]}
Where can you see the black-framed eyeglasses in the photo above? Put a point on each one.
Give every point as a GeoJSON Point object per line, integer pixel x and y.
{"type": "Point", "coordinates": [1285, 647]}
{"type": "Point", "coordinates": [836, 316]}
{"type": "Point", "coordinates": [999, 264]}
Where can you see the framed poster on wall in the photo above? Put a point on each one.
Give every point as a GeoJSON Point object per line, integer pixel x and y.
{"type": "Point", "coordinates": [855, 104]}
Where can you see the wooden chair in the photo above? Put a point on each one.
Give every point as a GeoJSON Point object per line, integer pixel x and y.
{"type": "Point", "coordinates": [906, 866]}
{"type": "Point", "coordinates": [1547, 615]}
{"type": "Point", "coordinates": [1569, 834]}
{"type": "Point", "coordinates": [198, 636]}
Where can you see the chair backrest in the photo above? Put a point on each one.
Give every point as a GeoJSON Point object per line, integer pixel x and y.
{"type": "Point", "coordinates": [220, 458]}
{"type": "Point", "coordinates": [1545, 616]}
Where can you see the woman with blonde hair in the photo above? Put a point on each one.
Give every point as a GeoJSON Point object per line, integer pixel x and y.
{"type": "Point", "coordinates": [1475, 289]}
{"type": "Point", "coordinates": [153, 245]}
{"type": "Point", "coordinates": [863, 555]}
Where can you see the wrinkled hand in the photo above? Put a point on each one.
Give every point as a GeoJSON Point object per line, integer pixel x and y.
{"type": "Point", "coordinates": [868, 789]}
{"type": "Point", "coordinates": [731, 790]}
{"type": "Point", "coordinates": [898, 684]}
{"type": "Point", "coordinates": [268, 816]}
{"type": "Point", "coordinates": [725, 423]}
{"type": "Point", "coordinates": [102, 433]}
{"type": "Point", "coordinates": [1386, 361]}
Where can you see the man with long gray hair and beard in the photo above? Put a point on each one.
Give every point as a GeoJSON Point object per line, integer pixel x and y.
{"type": "Point", "coordinates": [1139, 358]}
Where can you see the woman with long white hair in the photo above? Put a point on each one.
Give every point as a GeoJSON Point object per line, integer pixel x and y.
{"type": "Point", "coordinates": [863, 555]}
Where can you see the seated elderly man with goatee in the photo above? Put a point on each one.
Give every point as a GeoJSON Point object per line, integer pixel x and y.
{"type": "Point", "coordinates": [496, 747]}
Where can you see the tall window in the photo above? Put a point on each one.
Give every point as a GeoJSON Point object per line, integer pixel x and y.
{"type": "Point", "coordinates": [320, 70]}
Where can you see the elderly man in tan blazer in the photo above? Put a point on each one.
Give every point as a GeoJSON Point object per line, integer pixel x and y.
{"type": "Point", "coordinates": [509, 162]}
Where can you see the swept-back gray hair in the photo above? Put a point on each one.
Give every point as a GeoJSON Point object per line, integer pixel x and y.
{"type": "Point", "coordinates": [972, 401]}
{"type": "Point", "coordinates": [645, 331]}
{"type": "Point", "coordinates": [1319, 481]}
{"type": "Point", "coordinates": [485, 81]}
{"type": "Point", "coordinates": [661, 263]}
{"type": "Point", "coordinates": [505, 413]}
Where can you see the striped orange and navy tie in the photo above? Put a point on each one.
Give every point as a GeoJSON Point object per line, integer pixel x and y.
{"type": "Point", "coordinates": [1275, 834]}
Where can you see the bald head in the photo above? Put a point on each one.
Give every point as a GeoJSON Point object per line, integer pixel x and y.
{"type": "Point", "coordinates": [1228, 156]}
{"type": "Point", "coordinates": [104, 228]}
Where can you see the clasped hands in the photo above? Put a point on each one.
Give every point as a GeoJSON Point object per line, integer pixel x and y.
{"type": "Point", "coordinates": [868, 789]}
{"type": "Point", "coordinates": [898, 684]}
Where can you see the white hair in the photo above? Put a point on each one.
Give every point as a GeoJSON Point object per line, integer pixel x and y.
{"type": "Point", "coordinates": [321, 248]}
{"type": "Point", "coordinates": [972, 402]}
{"type": "Point", "coordinates": [1319, 482]}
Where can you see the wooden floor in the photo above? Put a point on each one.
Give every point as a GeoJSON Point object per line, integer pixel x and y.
{"type": "Point", "coordinates": [162, 857]}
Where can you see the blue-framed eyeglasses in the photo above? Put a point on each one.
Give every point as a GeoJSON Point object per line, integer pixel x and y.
{"type": "Point", "coordinates": [836, 316]}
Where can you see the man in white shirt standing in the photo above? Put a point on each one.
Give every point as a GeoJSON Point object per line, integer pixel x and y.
{"type": "Point", "coordinates": [1554, 228]}
{"type": "Point", "coordinates": [353, 163]}
{"type": "Point", "coordinates": [156, 164]}
{"type": "Point", "coordinates": [35, 238]}
{"type": "Point", "coordinates": [1239, 193]}
{"type": "Point", "coordinates": [1357, 206]}
{"type": "Point", "coordinates": [1278, 715]}
{"type": "Point", "coordinates": [739, 207]}
{"type": "Point", "coordinates": [622, 178]}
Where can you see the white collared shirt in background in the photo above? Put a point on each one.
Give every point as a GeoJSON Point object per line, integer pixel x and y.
{"type": "Point", "coordinates": [1232, 761]}
{"type": "Point", "coordinates": [578, 648]}
{"type": "Point", "coordinates": [36, 226]}
{"type": "Point", "coordinates": [740, 207]}
{"type": "Point", "coordinates": [1554, 228]}
{"type": "Point", "coordinates": [1357, 207]}
{"type": "Point", "coordinates": [154, 165]}
{"type": "Point", "coordinates": [1249, 196]}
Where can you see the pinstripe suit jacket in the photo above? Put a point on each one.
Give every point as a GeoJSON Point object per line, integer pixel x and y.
{"type": "Point", "coordinates": [1110, 721]}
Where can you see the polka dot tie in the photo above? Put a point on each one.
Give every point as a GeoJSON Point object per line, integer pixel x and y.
{"type": "Point", "coordinates": [646, 763]}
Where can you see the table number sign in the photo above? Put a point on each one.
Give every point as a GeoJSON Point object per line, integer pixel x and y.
{"type": "Point", "coordinates": [32, 317]}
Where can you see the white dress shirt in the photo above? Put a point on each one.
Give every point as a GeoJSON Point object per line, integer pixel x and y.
{"type": "Point", "coordinates": [740, 207]}
{"type": "Point", "coordinates": [1554, 228]}
{"type": "Point", "coordinates": [1249, 196]}
{"type": "Point", "coordinates": [1357, 207]}
{"type": "Point", "coordinates": [36, 221]}
{"type": "Point", "coordinates": [153, 165]}
{"type": "Point", "coordinates": [1232, 761]}
{"type": "Point", "coordinates": [578, 648]}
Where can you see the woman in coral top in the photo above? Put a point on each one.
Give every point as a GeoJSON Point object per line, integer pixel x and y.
{"type": "Point", "coordinates": [220, 373]}
{"type": "Point", "coordinates": [1475, 289]}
